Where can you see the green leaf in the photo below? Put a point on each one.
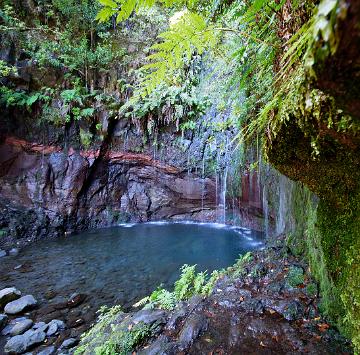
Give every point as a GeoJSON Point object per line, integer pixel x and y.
{"type": "Point", "coordinates": [32, 99]}
{"type": "Point", "coordinates": [105, 14]}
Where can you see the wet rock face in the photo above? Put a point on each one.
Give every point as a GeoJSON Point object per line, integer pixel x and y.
{"type": "Point", "coordinates": [47, 191]}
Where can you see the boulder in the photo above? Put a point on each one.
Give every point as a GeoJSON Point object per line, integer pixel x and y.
{"type": "Point", "coordinates": [8, 294]}
{"type": "Point", "coordinates": [21, 343]}
{"type": "Point", "coordinates": [21, 304]}
{"type": "Point", "coordinates": [21, 327]}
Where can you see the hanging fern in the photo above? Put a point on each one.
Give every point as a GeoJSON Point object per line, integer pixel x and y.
{"type": "Point", "coordinates": [190, 34]}
{"type": "Point", "coordinates": [124, 8]}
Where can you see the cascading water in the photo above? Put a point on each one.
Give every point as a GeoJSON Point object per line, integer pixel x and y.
{"type": "Point", "coordinates": [265, 211]}
{"type": "Point", "coordinates": [203, 181]}
{"type": "Point", "coordinates": [224, 194]}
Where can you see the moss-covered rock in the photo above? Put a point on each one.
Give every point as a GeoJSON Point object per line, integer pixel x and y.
{"type": "Point", "coordinates": [315, 139]}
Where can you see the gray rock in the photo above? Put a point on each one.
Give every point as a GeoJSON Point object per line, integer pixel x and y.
{"type": "Point", "coordinates": [14, 252]}
{"type": "Point", "coordinates": [54, 326]}
{"type": "Point", "coordinates": [69, 343]}
{"type": "Point", "coordinates": [3, 320]}
{"type": "Point", "coordinates": [48, 351]}
{"type": "Point", "coordinates": [195, 324]}
{"type": "Point", "coordinates": [8, 294]}
{"type": "Point", "coordinates": [21, 327]}
{"type": "Point", "coordinates": [21, 304]}
{"type": "Point", "coordinates": [2, 253]}
{"type": "Point", "coordinates": [21, 343]}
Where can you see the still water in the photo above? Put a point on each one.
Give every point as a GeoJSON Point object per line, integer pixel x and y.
{"type": "Point", "coordinates": [122, 264]}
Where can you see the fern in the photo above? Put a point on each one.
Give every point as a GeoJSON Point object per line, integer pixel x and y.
{"type": "Point", "coordinates": [189, 284]}
{"type": "Point", "coordinates": [184, 286]}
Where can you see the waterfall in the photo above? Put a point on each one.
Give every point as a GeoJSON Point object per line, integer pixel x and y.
{"type": "Point", "coordinates": [203, 182]}
{"type": "Point", "coordinates": [266, 211]}
{"type": "Point", "coordinates": [216, 189]}
{"type": "Point", "coordinates": [188, 162]}
{"type": "Point", "coordinates": [224, 193]}
{"type": "Point", "coordinates": [284, 191]}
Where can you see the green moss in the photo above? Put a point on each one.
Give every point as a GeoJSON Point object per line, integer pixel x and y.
{"type": "Point", "coordinates": [340, 230]}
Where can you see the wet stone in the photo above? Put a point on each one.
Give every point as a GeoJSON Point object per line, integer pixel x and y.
{"type": "Point", "coordinates": [69, 343]}
{"type": "Point", "coordinates": [54, 326]}
{"type": "Point", "coordinates": [8, 295]}
{"type": "Point", "coordinates": [21, 343]}
{"type": "Point", "coordinates": [21, 304]}
{"type": "Point", "coordinates": [2, 253]}
{"type": "Point", "coordinates": [21, 327]}
{"type": "Point", "coordinates": [3, 320]}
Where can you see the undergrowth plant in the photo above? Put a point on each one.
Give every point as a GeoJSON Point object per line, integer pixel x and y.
{"type": "Point", "coordinates": [190, 284]}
